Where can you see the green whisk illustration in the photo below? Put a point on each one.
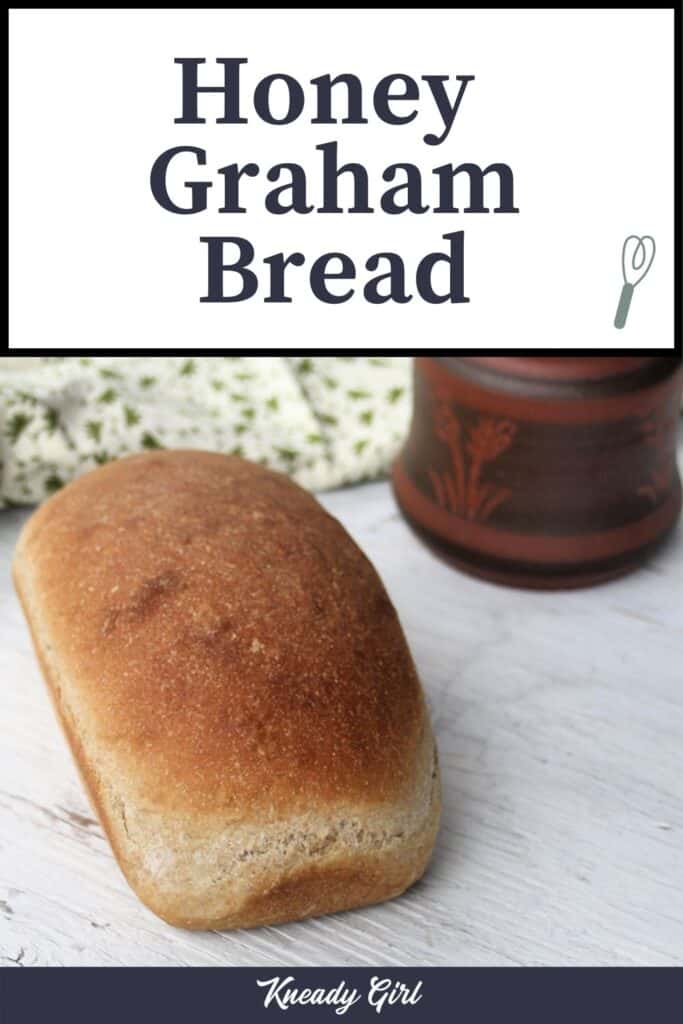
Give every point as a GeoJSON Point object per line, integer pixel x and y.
{"type": "Point", "coordinates": [637, 255]}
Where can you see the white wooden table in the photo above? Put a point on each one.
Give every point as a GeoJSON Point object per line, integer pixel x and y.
{"type": "Point", "coordinates": [559, 720]}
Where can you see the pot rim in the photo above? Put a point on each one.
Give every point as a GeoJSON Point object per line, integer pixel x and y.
{"type": "Point", "coordinates": [564, 368]}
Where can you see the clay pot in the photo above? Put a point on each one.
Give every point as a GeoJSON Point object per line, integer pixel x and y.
{"type": "Point", "coordinates": [543, 471]}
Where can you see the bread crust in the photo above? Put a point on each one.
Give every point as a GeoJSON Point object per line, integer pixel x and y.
{"type": "Point", "coordinates": [235, 687]}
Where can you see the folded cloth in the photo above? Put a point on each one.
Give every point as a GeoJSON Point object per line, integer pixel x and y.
{"type": "Point", "coordinates": [325, 421]}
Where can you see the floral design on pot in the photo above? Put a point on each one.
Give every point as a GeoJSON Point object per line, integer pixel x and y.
{"type": "Point", "coordinates": [461, 488]}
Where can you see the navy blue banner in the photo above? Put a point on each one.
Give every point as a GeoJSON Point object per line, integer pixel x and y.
{"type": "Point", "coordinates": [186, 995]}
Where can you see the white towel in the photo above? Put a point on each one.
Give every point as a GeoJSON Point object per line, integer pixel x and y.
{"type": "Point", "coordinates": [325, 421]}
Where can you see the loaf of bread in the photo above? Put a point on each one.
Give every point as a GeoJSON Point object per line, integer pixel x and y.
{"type": "Point", "coordinates": [236, 689]}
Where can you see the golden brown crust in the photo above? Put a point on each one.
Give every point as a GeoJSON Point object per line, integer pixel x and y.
{"type": "Point", "coordinates": [225, 661]}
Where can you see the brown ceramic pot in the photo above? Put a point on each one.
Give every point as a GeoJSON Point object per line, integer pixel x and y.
{"type": "Point", "coordinates": [543, 471]}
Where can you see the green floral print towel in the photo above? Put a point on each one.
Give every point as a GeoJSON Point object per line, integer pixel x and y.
{"type": "Point", "coordinates": [326, 421]}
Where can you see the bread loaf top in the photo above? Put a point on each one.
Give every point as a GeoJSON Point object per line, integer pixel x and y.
{"type": "Point", "coordinates": [219, 641]}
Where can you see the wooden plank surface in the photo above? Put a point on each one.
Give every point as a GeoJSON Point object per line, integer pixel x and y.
{"type": "Point", "coordinates": [559, 719]}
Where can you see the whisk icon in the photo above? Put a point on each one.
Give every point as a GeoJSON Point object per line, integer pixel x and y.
{"type": "Point", "coordinates": [637, 255]}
